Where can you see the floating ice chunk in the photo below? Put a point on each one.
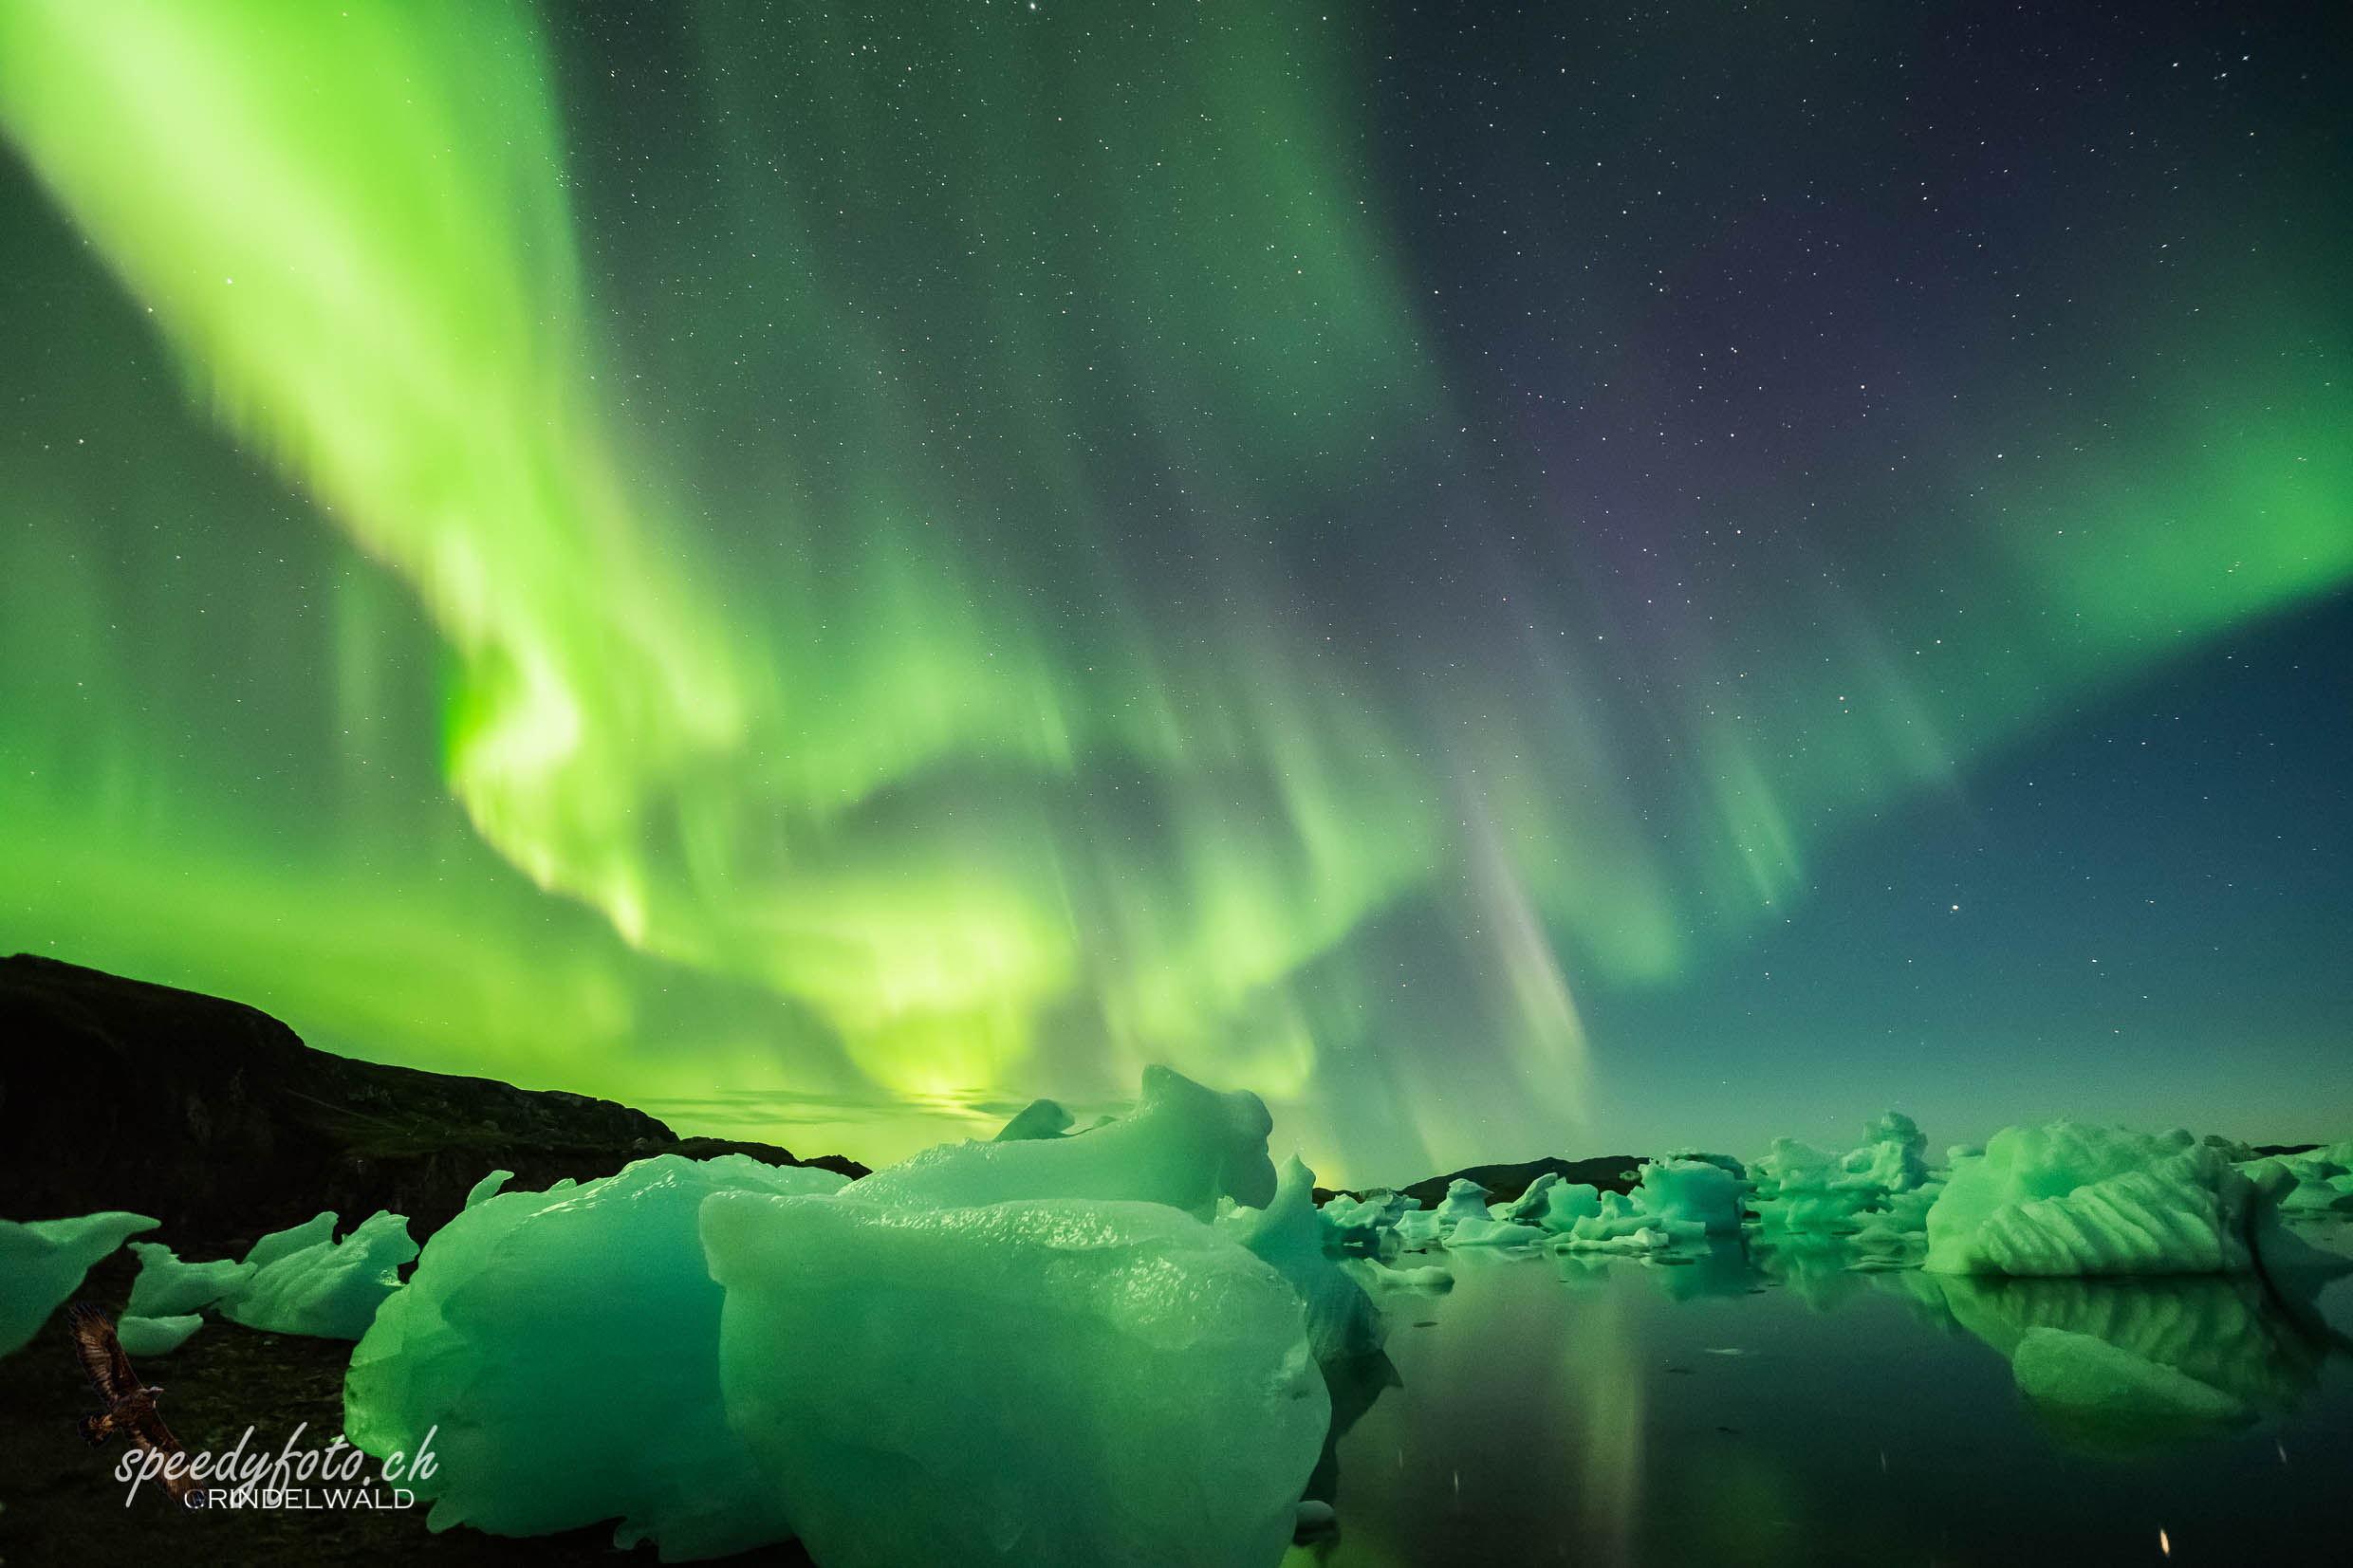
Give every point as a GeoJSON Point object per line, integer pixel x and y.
{"type": "Point", "coordinates": [1529, 1206]}
{"type": "Point", "coordinates": [42, 1261]}
{"type": "Point", "coordinates": [156, 1336]}
{"type": "Point", "coordinates": [2314, 1185]}
{"type": "Point", "coordinates": [1894, 1156]}
{"type": "Point", "coordinates": [1619, 1214]}
{"type": "Point", "coordinates": [1567, 1203]}
{"type": "Point", "coordinates": [1418, 1227]}
{"type": "Point", "coordinates": [487, 1187]}
{"type": "Point", "coordinates": [566, 1345]}
{"type": "Point", "coordinates": [1058, 1383]}
{"type": "Point", "coordinates": [2070, 1199]}
{"type": "Point", "coordinates": [1479, 1230]}
{"type": "Point", "coordinates": [1465, 1200]}
{"type": "Point", "coordinates": [1357, 1224]}
{"type": "Point", "coordinates": [1183, 1144]}
{"type": "Point", "coordinates": [278, 1243]}
{"type": "Point", "coordinates": [167, 1288]}
{"type": "Point", "coordinates": [329, 1288]}
{"type": "Point", "coordinates": [1801, 1187]}
{"type": "Point", "coordinates": [1431, 1277]}
{"type": "Point", "coordinates": [1341, 1320]}
{"type": "Point", "coordinates": [1909, 1210]}
{"type": "Point", "coordinates": [2089, 1376]}
{"type": "Point", "coordinates": [1692, 1190]}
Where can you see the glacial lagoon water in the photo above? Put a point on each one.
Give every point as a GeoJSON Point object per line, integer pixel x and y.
{"type": "Point", "coordinates": [1758, 1409]}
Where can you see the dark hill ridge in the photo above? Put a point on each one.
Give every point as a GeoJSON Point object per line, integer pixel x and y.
{"type": "Point", "coordinates": [1503, 1183]}
{"type": "Point", "coordinates": [216, 1119]}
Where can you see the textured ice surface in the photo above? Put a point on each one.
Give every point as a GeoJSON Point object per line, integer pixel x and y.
{"type": "Point", "coordinates": [1621, 1223]}
{"type": "Point", "coordinates": [1183, 1144]}
{"type": "Point", "coordinates": [1418, 1227]}
{"type": "Point", "coordinates": [1871, 1190]}
{"type": "Point", "coordinates": [1288, 1234]}
{"type": "Point", "coordinates": [1692, 1190]}
{"type": "Point", "coordinates": [2071, 1199]}
{"type": "Point", "coordinates": [42, 1261]}
{"type": "Point", "coordinates": [1567, 1203]}
{"type": "Point", "coordinates": [156, 1336]}
{"type": "Point", "coordinates": [566, 1343]}
{"type": "Point", "coordinates": [1530, 1205]}
{"type": "Point", "coordinates": [1358, 1225]}
{"type": "Point", "coordinates": [167, 1288]}
{"type": "Point", "coordinates": [2306, 1184]}
{"type": "Point", "coordinates": [327, 1288]}
{"type": "Point", "coordinates": [319, 1227]}
{"type": "Point", "coordinates": [1803, 1188]}
{"type": "Point", "coordinates": [1894, 1155]}
{"type": "Point", "coordinates": [1048, 1383]}
{"type": "Point", "coordinates": [1465, 1200]}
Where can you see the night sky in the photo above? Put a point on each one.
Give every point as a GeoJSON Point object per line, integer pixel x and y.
{"type": "Point", "coordinates": [1516, 581]}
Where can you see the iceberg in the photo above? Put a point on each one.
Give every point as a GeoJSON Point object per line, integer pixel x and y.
{"type": "Point", "coordinates": [42, 1261]}
{"type": "Point", "coordinates": [565, 1344]}
{"type": "Point", "coordinates": [2311, 1185]}
{"type": "Point", "coordinates": [1428, 1276]}
{"type": "Point", "coordinates": [1341, 1320]}
{"type": "Point", "coordinates": [156, 1336]}
{"type": "Point", "coordinates": [1894, 1156]}
{"type": "Point", "coordinates": [1567, 1203]}
{"type": "Point", "coordinates": [1530, 1204]}
{"type": "Point", "coordinates": [1358, 1225]}
{"type": "Point", "coordinates": [1418, 1228]}
{"type": "Point", "coordinates": [1183, 1144]}
{"type": "Point", "coordinates": [489, 1187]}
{"type": "Point", "coordinates": [1696, 1191]}
{"type": "Point", "coordinates": [1465, 1200]}
{"type": "Point", "coordinates": [278, 1243]}
{"type": "Point", "coordinates": [167, 1288]}
{"type": "Point", "coordinates": [1803, 1188]}
{"type": "Point", "coordinates": [1480, 1230]}
{"type": "Point", "coordinates": [2071, 1199]}
{"type": "Point", "coordinates": [1056, 1383]}
{"type": "Point", "coordinates": [327, 1288]}
{"type": "Point", "coordinates": [1621, 1223]}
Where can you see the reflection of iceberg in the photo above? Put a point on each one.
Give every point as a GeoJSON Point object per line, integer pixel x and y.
{"type": "Point", "coordinates": [2124, 1366]}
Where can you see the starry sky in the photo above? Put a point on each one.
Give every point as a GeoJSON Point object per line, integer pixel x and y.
{"type": "Point", "coordinates": [1517, 580]}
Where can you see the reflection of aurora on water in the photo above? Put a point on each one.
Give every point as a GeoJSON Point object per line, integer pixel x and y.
{"type": "Point", "coordinates": [951, 559]}
{"type": "Point", "coordinates": [1776, 1403]}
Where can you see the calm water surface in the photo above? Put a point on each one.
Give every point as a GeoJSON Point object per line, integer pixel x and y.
{"type": "Point", "coordinates": [1554, 1410]}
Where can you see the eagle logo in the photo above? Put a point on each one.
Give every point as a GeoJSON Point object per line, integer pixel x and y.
{"type": "Point", "coordinates": [130, 1404]}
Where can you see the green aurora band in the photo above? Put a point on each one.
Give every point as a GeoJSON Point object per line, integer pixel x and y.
{"type": "Point", "coordinates": [882, 660]}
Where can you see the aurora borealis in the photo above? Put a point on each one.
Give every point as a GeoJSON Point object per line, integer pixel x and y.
{"type": "Point", "coordinates": [1505, 579]}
